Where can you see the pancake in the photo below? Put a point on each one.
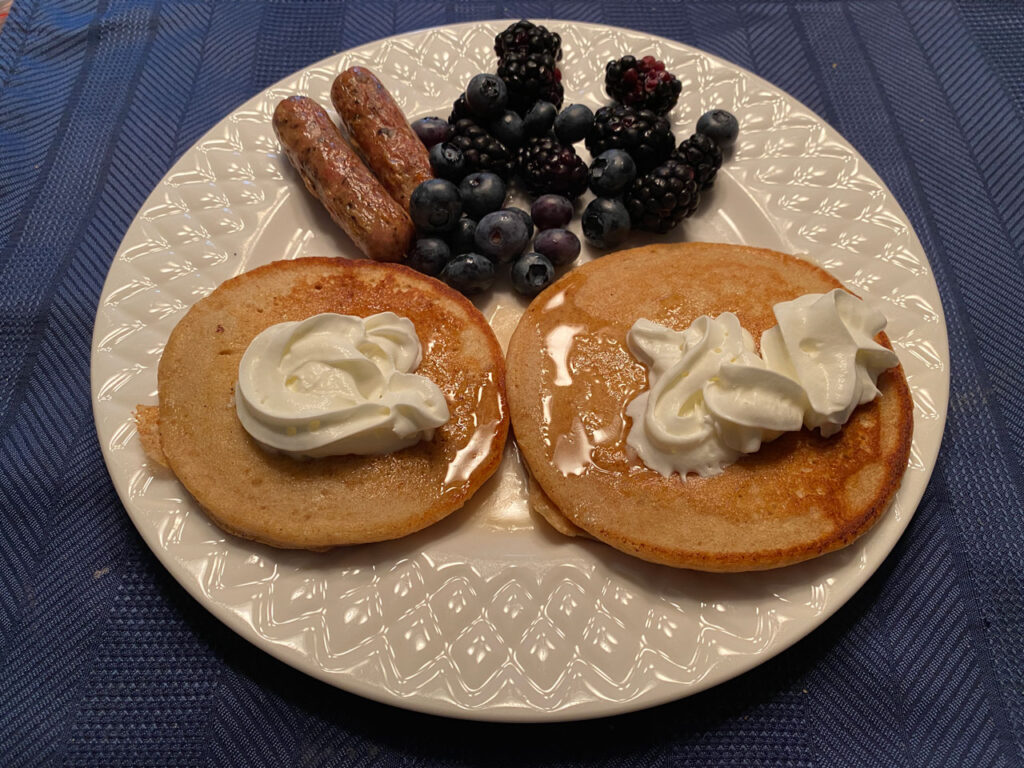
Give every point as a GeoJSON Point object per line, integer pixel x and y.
{"type": "Point", "coordinates": [571, 376]}
{"type": "Point", "coordinates": [337, 500]}
{"type": "Point", "coordinates": [541, 505]}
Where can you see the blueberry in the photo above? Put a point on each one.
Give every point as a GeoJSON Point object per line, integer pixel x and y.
{"type": "Point", "coordinates": [573, 123]}
{"type": "Point", "coordinates": [532, 273]}
{"type": "Point", "coordinates": [719, 125]}
{"type": "Point", "coordinates": [432, 130]}
{"type": "Point", "coordinates": [605, 222]}
{"type": "Point", "coordinates": [539, 118]}
{"type": "Point", "coordinates": [469, 273]}
{"type": "Point", "coordinates": [435, 206]}
{"type": "Point", "coordinates": [429, 255]}
{"type": "Point", "coordinates": [482, 193]}
{"type": "Point", "coordinates": [461, 239]}
{"type": "Point", "coordinates": [551, 211]}
{"type": "Point", "coordinates": [560, 246]}
{"type": "Point", "coordinates": [447, 161]}
{"type": "Point", "coordinates": [509, 129]}
{"type": "Point", "coordinates": [525, 217]}
{"type": "Point", "coordinates": [612, 173]}
{"type": "Point", "coordinates": [486, 96]}
{"type": "Point", "coordinates": [501, 236]}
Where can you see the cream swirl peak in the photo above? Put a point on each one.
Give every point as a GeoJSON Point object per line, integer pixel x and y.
{"type": "Point", "coordinates": [826, 342]}
{"type": "Point", "coordinates": [712, 398]}
{"type": "Point", "coordinates": [336, 384]}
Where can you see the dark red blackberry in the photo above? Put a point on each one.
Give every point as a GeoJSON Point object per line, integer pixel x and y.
{"type": "Point", "coordinates": [702, 154]}
{"type": "Point", "coordinates": [526, 37]}
{"type": "Point", "coordinates": [530, 77]}
{"type": "Point", "coordinates": [658, 201]}
{"type": "Point", "coordinates": [547, 167]}
{"type": "Point", "coordinates": [646, 136]}
{"type": "Point", "coordinates": [482, 151]}
{"type": "Point", "coordinates": [643, 83]}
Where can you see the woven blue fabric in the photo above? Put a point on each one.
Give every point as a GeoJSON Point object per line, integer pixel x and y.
{"type": "Point", "coordinates": [106, 661]}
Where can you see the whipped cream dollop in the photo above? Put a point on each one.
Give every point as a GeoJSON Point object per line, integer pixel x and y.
{"type": "Point", "coordinates": [826, 342]}
{"type": "Point", "coordinates": [336, 384]}
{"type": "Point", "coordinates": [712, 398]}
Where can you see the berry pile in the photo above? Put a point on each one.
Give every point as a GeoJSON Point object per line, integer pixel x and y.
{"type": "Point", "coordinates": [509, 127]}
{"type": "Point", "coordinates": [505, 125]}
{"type": "Point", "coordinates": [466, 252]}
{"type": "Point", "coordinates": [663, 185]}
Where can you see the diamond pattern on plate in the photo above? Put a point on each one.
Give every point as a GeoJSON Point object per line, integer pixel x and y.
{"type": "Point", "coordinates": [479, 653]}
{"type": "Point", "coordinates": [478, 621]}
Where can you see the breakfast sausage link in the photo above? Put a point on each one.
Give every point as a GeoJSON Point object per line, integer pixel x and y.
{"type": "Point", "coordinates": [379, 130]}
{"type": "Point", "coordinates": [333, 172]}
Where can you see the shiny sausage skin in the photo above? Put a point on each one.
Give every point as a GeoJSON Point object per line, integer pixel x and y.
{"type": "Point", "coordinates": [333, 172]}
{"type": "Point", "coordinates": [379, 130]}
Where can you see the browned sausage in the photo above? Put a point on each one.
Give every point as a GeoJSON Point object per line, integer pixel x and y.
{"type": "Point", "coordinates": [379, 130]}
{"type": "Point", "coordinates": [333, 172]}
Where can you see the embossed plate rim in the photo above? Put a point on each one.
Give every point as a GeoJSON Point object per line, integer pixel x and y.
{"type": "Point", "coordinates": [861, 560]}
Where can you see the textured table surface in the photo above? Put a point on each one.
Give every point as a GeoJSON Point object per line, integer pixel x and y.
{"type": "Point", "coordinates": [106, 661]}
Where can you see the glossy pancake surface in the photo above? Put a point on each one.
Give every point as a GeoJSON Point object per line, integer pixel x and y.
{"type": "Point", "coordinates": [320, 503]}
{"type": "Point", "coordinates": [571, 376]}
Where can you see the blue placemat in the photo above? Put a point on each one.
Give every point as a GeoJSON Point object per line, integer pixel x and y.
{"type": "Point", "coordinates": [107, 662]}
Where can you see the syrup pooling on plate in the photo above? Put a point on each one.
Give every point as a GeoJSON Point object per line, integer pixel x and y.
{"type": "Point", "coordinates": [467, 459]}
{"type": "Point", "coordinates": [581, 353]}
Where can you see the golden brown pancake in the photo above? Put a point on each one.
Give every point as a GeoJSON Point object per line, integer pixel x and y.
{"type": "Point", "coordinates": [571, 376]}
{"type": "Point", "coordinates": [321, 503]}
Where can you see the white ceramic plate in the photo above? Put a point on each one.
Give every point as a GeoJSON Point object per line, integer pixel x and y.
{"type": "Point", "coordinates": [489, 614]}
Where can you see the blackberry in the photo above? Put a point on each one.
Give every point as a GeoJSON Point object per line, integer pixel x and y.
{"type": "Point", "coordinates": [644, 135]}
{"type": "Point", "coordinates": [481, 150]}
{"type": "Point", "coordinates": [547, 167]}
{"type": "Point", "coordinates": [530, 77]}
{"type": "Point", "coordinates": [643, 83]}
{"type": "Point", "coordinates": [701, 153]}
{"type": "Point", "coordinates": [658, 201]}
{"type": "Point", "coordinates": [526, 37]}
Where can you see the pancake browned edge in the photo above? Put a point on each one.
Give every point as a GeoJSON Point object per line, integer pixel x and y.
{"type": "Point", "coordinates": [321, 503]}
{"type": "Point", "coordinates": [571, 375]}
